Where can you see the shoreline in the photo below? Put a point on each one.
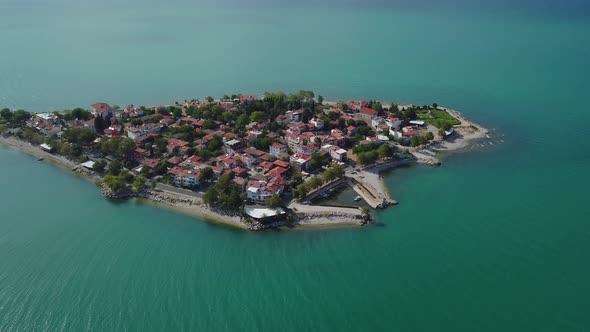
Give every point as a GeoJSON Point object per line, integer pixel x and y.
{"type": "Point", "coordinates": [464, 136]}
{"type": "Point", "coordinates": [179, 203]}
{"type": "Point", "coordinates": [159, 198]}
{"type": "Point", "coordinates": [307, 216]}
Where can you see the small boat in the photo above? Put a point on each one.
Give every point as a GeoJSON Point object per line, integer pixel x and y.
{"type": "Point", "coordinates": [358, 198]}
{"type": "Point", "coordinates": [40, 159]}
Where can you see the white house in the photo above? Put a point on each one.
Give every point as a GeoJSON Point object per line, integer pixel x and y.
{"type": "Point", "coordinates": [185, 178]}
{"type": "Point", "coordinates": [376, 121]}
{"type": "Point", "coordinates": [260, 192]}
{"type": "Point", "coordinates": [338, 154]}
{"type": "Point", "coordinates": [396, 134]}
{"type": "Point", "coordinates": [318, 123]}
{"type": "Point", "coordinates": [295, 116]}
{"type": "Point", "coordinates": [393, 123]}
{"type": "Point", "coordinates": [148, 128]}
{"type": "Point", "coordinates": [277, 148]}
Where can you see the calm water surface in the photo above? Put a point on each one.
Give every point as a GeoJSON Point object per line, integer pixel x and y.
{"type": "Point", "coordinates": [496, 239]}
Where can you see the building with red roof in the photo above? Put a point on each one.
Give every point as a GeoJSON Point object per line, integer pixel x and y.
{"type": "Point", "coordinates": [101, 109]}
{"type": "Point", "coordinates": [248, 97]}
{"type": "Point", "coordinates": [151, 163]}
{"type": "Point", "coordinates": [281, 163]}
{"type": "Point", "coordinates": [277, 171]}
{"type": "Point", "coordinates": [239, 171]}
{"type": "Point", "coordinates": [277, 148]}
{"type": "Point", "coordinates": [174, 144]}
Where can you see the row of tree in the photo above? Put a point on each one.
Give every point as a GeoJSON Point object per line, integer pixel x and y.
{"type": "Point", "coordinates": [16, 117]}
{"type": "Point", "coordinates": [224, 195]}
{"type": "Point", "coordinates": [331, 173]}
{"type": "Point", "coordinates": [367, 154]}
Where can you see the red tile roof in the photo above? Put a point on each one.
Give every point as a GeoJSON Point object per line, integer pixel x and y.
{"type": "Point", "coordinates": [151, 163]}
{"type": "Point", "coordinates": [281, 163]}
{"type": "Point", "coordinates": [277, 171]}
{"type": "Point", "coordinates": [368, 111]}
{"type": "Point", "coordinates": [101, 107]}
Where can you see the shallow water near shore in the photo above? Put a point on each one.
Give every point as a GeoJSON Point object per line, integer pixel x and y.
{"type": "Point", "coordinates": [496, 239]}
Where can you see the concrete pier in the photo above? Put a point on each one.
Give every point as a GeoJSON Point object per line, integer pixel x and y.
{"type": "Point", "coordinates": [369, 187]}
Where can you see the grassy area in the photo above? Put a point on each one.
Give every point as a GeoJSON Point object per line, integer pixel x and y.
{"type": "Point", "coordinates": [437, 118]}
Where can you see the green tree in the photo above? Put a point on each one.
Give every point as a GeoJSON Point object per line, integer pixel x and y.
{"type": "Point", "coordinates": [100, 165]}
{"type": "Point", "coordinates": [333, 172]}
{"type": "Point", "coordinates": [20, 116]}
{"type": "Point", "coordinates": [273, 202]}
{"type": "Point", "coordinates": [242, 121]}
{"type": "Point", "coordinates": [215, 144]}
{"type": "Point", "coordinates": [206, 174]}
{"type": "Point", "coordinates": [210, 196]}
{"type": "Point", "coordinates": [385, 151]}
{"type": "Point", "coordinates": [161, 168]}
{"type": "Point", "coordinates": [6, 114]}
{"type": "Point", "coordinates": [114, 168]}
{"type": "Point", "coordinates": [80, 136]}
{"type": "Point", "coordinates": [136, 122]}
{"type": "Point", "coordinates": [115, 183]}
{"type": "Point", "coordinates": [257, 117]}
{"type": "Point", "coordinates": [315, 182]}
{"type": "Point", "coordinates": [317, 161]}
{"type": "Point", "coordinates": [210, 99]}
{"type": "Point", "coordinates": [138, 183]}
{"type": "Point", "coordinates": [125, 147]}
{"type": "Point", "coordinates": [301, 190]}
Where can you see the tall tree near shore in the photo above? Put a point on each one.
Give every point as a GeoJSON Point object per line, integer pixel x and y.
{"type": "Point", "coordinates": [274, 201]}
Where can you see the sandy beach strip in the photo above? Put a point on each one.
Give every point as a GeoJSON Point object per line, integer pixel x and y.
{"type": "Point", "coordinates": [36, 151]}
{"type": "Point", "coordinates": [164, 199]}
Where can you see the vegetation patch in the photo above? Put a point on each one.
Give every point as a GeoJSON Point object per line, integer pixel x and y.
{"type": "Point", "coordinates": [438, 118]}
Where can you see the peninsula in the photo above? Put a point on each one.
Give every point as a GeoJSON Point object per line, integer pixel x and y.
{"type": "Point", "coordinates": [254, 162]}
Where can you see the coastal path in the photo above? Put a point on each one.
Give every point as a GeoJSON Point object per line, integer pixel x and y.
{"type": "Point", "coordinates": [179, 191]}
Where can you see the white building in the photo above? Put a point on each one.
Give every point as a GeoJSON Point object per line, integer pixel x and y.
{"type": "Point", "coordinates": [277, 148]}
{"type": "Point", "coordinates": [185, 178]}
{"type": "Point", "coordinates": [317, 122]}
{"type": "Point", "coordinates": [393, 123]}
{"type": "Point", "coordinates": [295, 116]}
{"type": "Point", "coordinates": [260, 192]}
{"type": "Point", "coordinates": [338, 154]}
{"type": "Point", "coordinates": [135, 132]}
{"type": "Point", "coordinates": [417, 123]}
{"type": "Point", "coordinates": [376, 121]}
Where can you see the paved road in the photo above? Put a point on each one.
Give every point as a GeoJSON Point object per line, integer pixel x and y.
{"type": "Point", "coordinates": [165, 187]}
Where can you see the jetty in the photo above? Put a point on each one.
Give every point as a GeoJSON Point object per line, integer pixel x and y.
{"type": "Point", "coordinates": [376, 197]}
{"type": "Point", "coordinates": [366, 182]}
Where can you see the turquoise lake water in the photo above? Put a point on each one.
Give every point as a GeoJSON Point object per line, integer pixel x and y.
{"type": "Point", "coordinates": [497, 239]}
